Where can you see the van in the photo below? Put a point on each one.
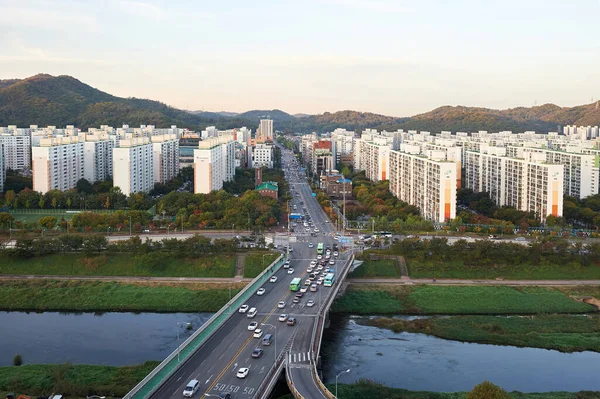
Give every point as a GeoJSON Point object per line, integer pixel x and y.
{"type": "Point", "coordinates": [191, 388]}
{"type": "Point", "coordinates": [267, 339]}
{"type": "Point", "coordinates": [313, 288]}
{"type": "Point", "coordinates": [251, 313]}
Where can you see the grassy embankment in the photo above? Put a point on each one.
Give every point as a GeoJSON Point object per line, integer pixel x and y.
{"type": "Point", "coordinates": [384, 268]}
{"type": "Point", "coordinates": [72, 380]}
{"type": "Point", "coordinates": [255, 264]}
{"type": "Point", "coordinates": [38, 295]}
{"type": "Point", "coordinates": [144, 265]}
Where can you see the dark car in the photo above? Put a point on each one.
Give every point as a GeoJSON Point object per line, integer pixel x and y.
{"type": "Point", "coordinates": [225, 395]}
{"type": "Point", "coordinates": [257, 353]}
{"type": "Point", "coordinates": [299, 295]}
{"type": "Point", "coordinates": [291, 321]}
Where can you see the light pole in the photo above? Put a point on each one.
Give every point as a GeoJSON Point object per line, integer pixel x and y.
{"type": "Point", "coordinates": [274, 338]}
{"type": "Point", "coordinates": [336, 378]}
{"type": "Point", "coordinates": [108, 230]}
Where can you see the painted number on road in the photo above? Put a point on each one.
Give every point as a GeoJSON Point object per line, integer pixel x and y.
{"type": "Point", "coordinates": [232, 388]}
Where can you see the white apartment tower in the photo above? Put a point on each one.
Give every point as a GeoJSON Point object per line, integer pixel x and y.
{"type": "Point", "coordinates": [2, 168]}
{"type": "Point", "coordinates": [214, 164]}
{"type": "Point", "coordinates": [265, 129]}
{"type": "Point", "coordinates": [166, 157]}
{"type": "Point", "coordinates": [262, 156]}
{"type": "Point", "coordinates": [17, 147]}
{"type": "Point", "coordinates": [58, 163]}
{"type": "Point", "coordinates": [98, 157]}
{"type": "Point", "coordinates": [133, 165]}
{"type": "Point", "coordinates": [428, 182]}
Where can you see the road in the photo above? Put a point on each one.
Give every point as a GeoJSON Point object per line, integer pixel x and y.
{"type": "Point", "coordinates": [215, 364]}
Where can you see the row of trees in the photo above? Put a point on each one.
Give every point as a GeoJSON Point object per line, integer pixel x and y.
{"type": "Point", "coordinates": [192, 247]}
{"type": "Point", "coordinates": [482, 253]}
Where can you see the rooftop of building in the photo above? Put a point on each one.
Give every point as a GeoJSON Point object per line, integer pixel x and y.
{"type": "Point", "coordinates": [268, 185]}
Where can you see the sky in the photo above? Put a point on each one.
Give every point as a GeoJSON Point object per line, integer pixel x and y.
{"type": "Point", "coordinates": [397, 58]}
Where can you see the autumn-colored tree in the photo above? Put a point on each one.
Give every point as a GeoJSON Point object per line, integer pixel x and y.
{"type": "Point", "coordinates": [487, 390]}
{"type": "Point", "coordinates": [48, 222]}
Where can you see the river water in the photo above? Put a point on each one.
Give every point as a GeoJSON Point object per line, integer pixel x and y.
{"type": "Point", "coordinates": [405, 360]}
{"type": "Point", "coordinates": [421, 362]}
{"type": "Point", "coordinates": [93, 338]}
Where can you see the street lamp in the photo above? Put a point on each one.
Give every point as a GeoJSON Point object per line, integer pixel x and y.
{"type": "Point", "coordinates": [336, 378]}
{"type": "Point", "coordinates": [274, 338]}
{"type": "Point", "coordinates": [108, 230]}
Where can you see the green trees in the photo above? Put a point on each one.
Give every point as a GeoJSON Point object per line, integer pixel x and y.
{"type": "Point", "coordinates": [487, 390]}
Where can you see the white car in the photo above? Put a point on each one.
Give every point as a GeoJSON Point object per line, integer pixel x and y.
{"type": "Point", "coordinates": [320, 280]}
{"type": "Point", "coordinates": [311, 245]}
{"type": "Point", "coordinates": [283, 317]}
{"type": "Point", "coordinates": [261, 291]}
{"type": "Point", "coordinates": [243, 372]}
{"type": "Point", "coordinates": [273, 279]}
{"type": "Point", "coordinates": [303, 289]}
{"type": "Point", "coordinates": [319, 257]}
{"type": "Point", "coordinates": [252, 326]}
{"type": "Point", "coordinates": [316, 230]}
{"type": "Point", "coordinates": [310, 303]}
{"type": "Point", "coordinates": [258, 333]}
{"type": "Point", "coordinates": [332, 262]}
{"type": "Point", "coordinates": [313, 262]}
{"type": "Point", "coordinates": [243, 309]}
{"type": "Point", "coordinates": [281, 305]}
{"type": "Point", "coordinates": [309, 270]}
{"type": "Point", "coordinates": [290, 271]}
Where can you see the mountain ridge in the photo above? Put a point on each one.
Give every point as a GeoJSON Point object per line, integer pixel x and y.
{"type": "Point", "coordinates": [64, 100]}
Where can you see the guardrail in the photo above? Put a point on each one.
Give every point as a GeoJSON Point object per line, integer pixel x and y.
{"type": "Point", "coordinates": [167, 367]}
{"type": "Point", "coordinates": [264, 389]}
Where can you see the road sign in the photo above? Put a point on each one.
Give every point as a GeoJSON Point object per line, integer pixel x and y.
{"type": "Point", "coordinates": [314, 194]}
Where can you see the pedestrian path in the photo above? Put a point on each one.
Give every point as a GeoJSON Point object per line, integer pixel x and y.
{"type": "Point", "coordinates": [299, 357]}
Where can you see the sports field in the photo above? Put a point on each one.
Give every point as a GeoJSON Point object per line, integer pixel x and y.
{"type": "Point", "coordinates": [33, 215]}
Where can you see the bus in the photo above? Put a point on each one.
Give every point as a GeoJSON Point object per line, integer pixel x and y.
{"type": "Point", "coordinates": [328, 281]}
{"type": "Point", "coordinates": [295, 284]}
{"type": "Point", "coordinates": [320, 249]}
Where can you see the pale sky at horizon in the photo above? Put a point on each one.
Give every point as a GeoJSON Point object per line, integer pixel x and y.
{"type": "Point", "coordinates": [396, 58]}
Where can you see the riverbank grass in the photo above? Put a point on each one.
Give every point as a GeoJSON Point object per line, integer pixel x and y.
{"type": "Point", "coordinates": [565, 333]}
{"type": "Point", "coordinates": [46, 295]}
{"type": "Point", "coordinates": [423, 299]}
{"type": "Point", "coordinates": [144, 265]}
{"type": "Point", "coordinates": [73, 380]}
{"type": "Point", "coordinates": [255, 263]}
{"type": "Point", "coordinates": [383, 268]}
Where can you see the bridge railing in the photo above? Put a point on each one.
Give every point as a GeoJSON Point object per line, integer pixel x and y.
{"type": "Point", "coordinates": [167, 367]}
{"type": "Point", "coordinates": [264, 389]}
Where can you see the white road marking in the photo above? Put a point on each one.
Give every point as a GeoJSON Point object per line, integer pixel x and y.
{"type": "Point", "coordinates": [209, 378]}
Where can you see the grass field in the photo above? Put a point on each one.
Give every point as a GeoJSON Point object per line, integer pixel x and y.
{"type": "Point", "coordinates": [382, 299]}
{"type": "Point", "coordinates": [521, 272]}
{"type": "Point", "coordinates": [379, 268]}
{"type": "Point", "coordinates": [256, 263]}
{"type": "Point", "coordinates": [152, 264]}
{"type": "Point", "coordinates": [38, 295]}
{"type": "Point", "coordinates": [33, 215]}
{"type": "Point", "coordinates": [72, 380]}
{"type": "Point", "coordinates": [566, 333]}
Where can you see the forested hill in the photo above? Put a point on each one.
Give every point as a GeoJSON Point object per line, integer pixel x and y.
{"type": "Point", "coordinates": [63, 100]}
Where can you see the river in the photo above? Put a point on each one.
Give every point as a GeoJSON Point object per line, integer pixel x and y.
{"type": "Point", "coordinates": [420, 362]}
{"type": "Point", "coordinates": [404, 360]}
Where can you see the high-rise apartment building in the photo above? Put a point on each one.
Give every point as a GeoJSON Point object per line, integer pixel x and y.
{"type": "Point", "coordinates": [98, 156]}
{"type": "Point", "coordinates": [428, 182]}
{"type": "Point", "coordinates": [165, 157]}
{"type": "Point", "coordinates": [17, 150]}
{"type": "Point", "coordinates": [530, 185]}
{"type": "Point", "coordinates": [265, 129]}
{"type": "Point", "coordinates": [133, 165]}
{"type": "Point", "coordinates": [342, 145]}
{"type": "Point", "coordinates": [2, 168]}
{"type": "Point", "coordinates": [58, 163]}
{"type": "Point", "coordinates": [214, 164]}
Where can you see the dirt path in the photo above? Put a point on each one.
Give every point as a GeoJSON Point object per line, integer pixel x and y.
{"type": "Point", "coordinates": [472, 282]}
{"type": "Point", "coordinates": [239, 265]}
{"type": "Point", "coordinates": [128, 279]}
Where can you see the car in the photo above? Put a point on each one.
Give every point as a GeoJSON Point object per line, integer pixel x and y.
{"type": "Point", "coordinates": [310, 303]}
{"type": "Point", "coordinates": [313, 262]}
{"type": "Point", "coordinates": [299, 294]}
{"type": "Point", "coordinates": [225, 395]}
{"type": "Point", "coordinates": [252, 326]}
{"type": "Point", "coordinates": [307, 281]}
{"type": "Point", "coordinates": [296, 300]}
{"type": "Point", "coordinates": [286, 264]}
{"type": "Point", "coordinates": [316, 230]}
{"type": "Point", "coordinates": [332, 262]}
{"type": "Point", "coordinates": [303, 289]}
{"type": "Point", "coordinates": [283, 317]}
{"type": "Point", "coordinates": [243, 372]}
{"type": "Point", "coordinates": [191, 388]}
{"type": "Point", "coordinates": [291, 321]}
{"type": "Point", "coordinates": [243, 309]}
{"type": "Point", "coordinates": [290, 271]}
{"type": "Point", "coordinates": [327, 257]}
{"type": "Point", "coordinates": [290, 249]}
{"type": "Point", "coordinates": [281, 305]}
{"type": "Point", "coordinates": [258, 333]}
{"type": "Point", "coordinates": [261, 291]}
{"type": "Point", "coordinates": [319, 257]}
{"type": "Point", "coordinates": [273, 279]}
{"type": "Point", "coordinates": [309, 270]}
{"type": "Point", "coordinates": [256, 353]}
{"type": "Point", "coordinates": [313, 234]}
{"type": "Point", "coordinates": [335, 253]}
{"type": "Point", "coordinates": [311, 245]}
{"type": "Point", "coordinates": [313, 288]}
{"type": "Point", "coordinates": [320, 268]}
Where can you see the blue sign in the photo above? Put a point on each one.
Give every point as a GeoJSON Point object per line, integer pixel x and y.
{"type": "Point", "coordinates": [314, 194]}
{"type": "Point", "coordinates": [295, 216]}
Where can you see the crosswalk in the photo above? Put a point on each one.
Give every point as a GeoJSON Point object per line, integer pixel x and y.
{"type": "Point", "coordinates": [299, 357]}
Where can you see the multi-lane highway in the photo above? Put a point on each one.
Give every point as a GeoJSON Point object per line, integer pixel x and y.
{"type": "Point", "coordinates": [216, 363]}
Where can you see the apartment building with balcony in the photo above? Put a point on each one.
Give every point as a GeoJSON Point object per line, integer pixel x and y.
{"type": "Point", "coordinates": [214, 164]}
{"type": "Point", "coordinates": [98, 156]}
{"type": "Point", "coordinates": [57, 163]}
{"type": "Point", "coordinates": [165, 157]}
{"type": "Point", "coordinates": [17, 148]}
{"type": "Point", "coordinates": [133, 165]}
{"type": "Point", "coordinates": [425, 181]}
